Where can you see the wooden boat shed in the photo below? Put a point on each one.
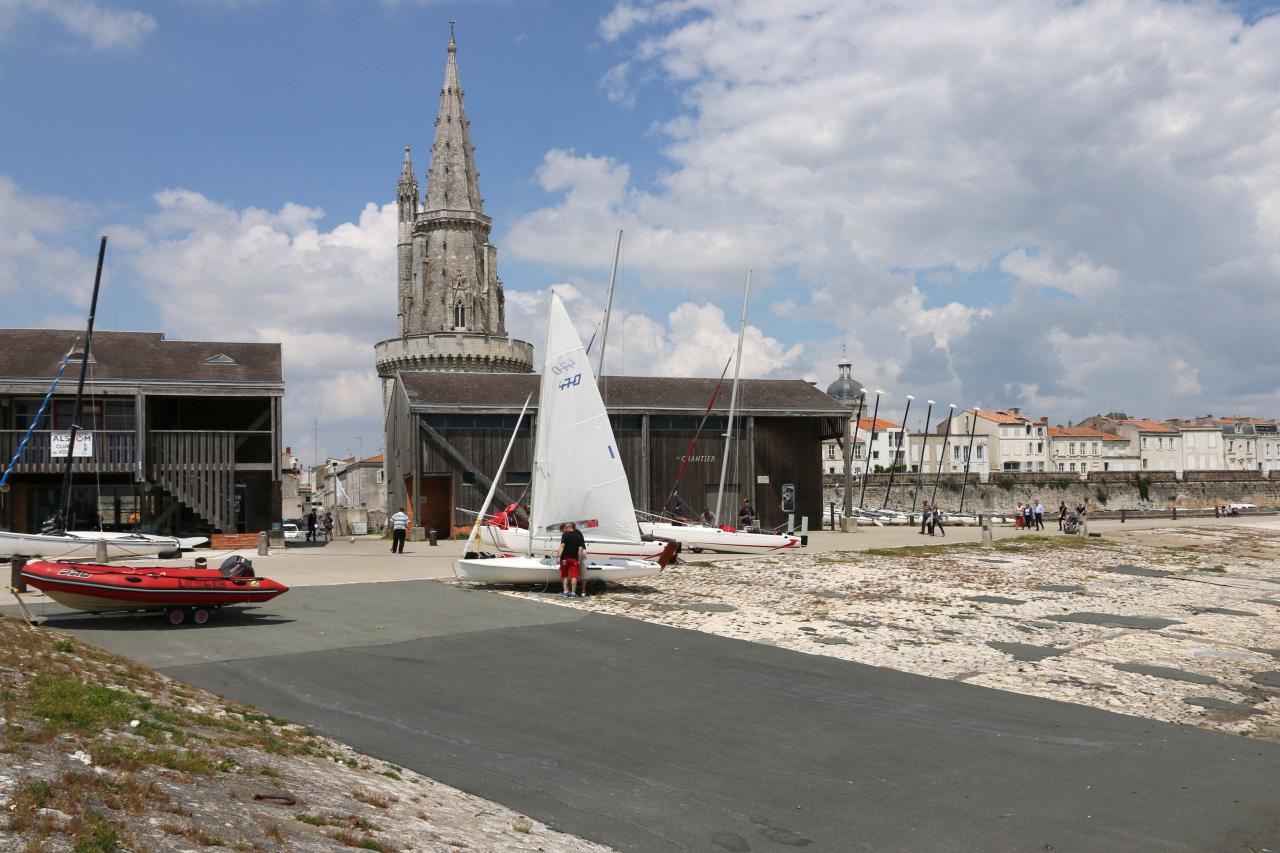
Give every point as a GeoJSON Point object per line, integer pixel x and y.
{"type": "Point", "coordinates": [446, 433]}
{"type": "Point", "coordinates": [186, 434]}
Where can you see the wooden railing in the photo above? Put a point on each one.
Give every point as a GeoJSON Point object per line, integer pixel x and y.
{"type": "Point", "coordinates": [198, 467]}
{"type": "Point", "coordinates": [114, 451]}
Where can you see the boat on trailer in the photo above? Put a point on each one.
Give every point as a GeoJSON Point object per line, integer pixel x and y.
{"type": "Point", "coordinates": [181, 593]}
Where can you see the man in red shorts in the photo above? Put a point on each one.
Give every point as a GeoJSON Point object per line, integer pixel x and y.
{"type": "Point", "coordinates": [572, 554]}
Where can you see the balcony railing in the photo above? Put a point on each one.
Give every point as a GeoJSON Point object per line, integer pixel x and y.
{"type": "Point", "coordinates": [113, 452]}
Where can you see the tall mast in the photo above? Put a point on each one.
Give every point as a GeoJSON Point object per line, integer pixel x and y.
{"type": "Point", "coordinates": [64, 504]}
{"type": "Point", "coordinates": [733, 397]}
{"type": "Point", "coordinates": [608, 307]}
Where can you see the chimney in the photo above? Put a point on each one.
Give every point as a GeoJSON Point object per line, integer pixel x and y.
{"type": "Point", "coordinates": [1015, 411]}
{"type": "Point", "coordinates": [1069, 424]}
{"type": "Point", "coordinates": [1044, 419]}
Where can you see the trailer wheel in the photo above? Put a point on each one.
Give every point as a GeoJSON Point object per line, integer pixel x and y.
{"type": "Point", "coordinates": [595, 586]}
{"type": "Point", "coordinates": [169, 555]}
{"type": "Point", "coordinates": [176, 616]}
{"type": "Point", "coordinates": [695, 550]}
{"type": "Point", "coordinates": [199, 616]}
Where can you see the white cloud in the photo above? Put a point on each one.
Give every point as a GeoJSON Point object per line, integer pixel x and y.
{"type": "Point", "coordinates": [102, 27]}
{"type": "Point", "coordinates": [1134, 143]}
{"type": "Point", "coordinates": [30, 256]}
{"type": "Point", "coordinates": [214, 272]}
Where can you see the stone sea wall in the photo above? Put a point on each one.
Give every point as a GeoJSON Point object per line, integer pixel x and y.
{"type": "Point", "coordinates": [1104, 490]}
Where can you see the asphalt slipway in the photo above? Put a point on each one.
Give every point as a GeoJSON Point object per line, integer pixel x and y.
{"type": "Point", "coordinates": [650, 738]}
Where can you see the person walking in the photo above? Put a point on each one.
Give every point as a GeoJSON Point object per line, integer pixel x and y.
{"type": "Point", "coordinates": [572, 555]}
{"type": "Point", "coordinates": [937, 521]}
{"type": "Point", "coordinates": [328, 527]}
{"type": "Point", "coordinates": [1062, 513]}
{"type": "Point", "coordinates": [1039, 515]}
{"type": "Point", "coordinates": [925, 514]}
{"type": "Point", "coordinates": [311, 526]}
{"type": "Point", "coordinates": [399, 526]}
{"type": "Point", "coordinates": [1028, 515]}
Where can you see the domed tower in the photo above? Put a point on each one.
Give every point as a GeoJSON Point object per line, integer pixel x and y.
{"type": "Point", "coordinates": [451, 311]}
{"type": "Point", "coordinates": [846, 389]}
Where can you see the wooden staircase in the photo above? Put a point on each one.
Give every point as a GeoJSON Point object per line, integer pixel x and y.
{"type": "Point", "coordinates": [199, 469]}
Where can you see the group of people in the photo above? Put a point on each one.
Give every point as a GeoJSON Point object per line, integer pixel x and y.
{"type": "Point", "coordinates": [931, 519]}
{"type": "Point", "coordinates": [315, 525]}
{"type": "Point", "coordinates": [1030, 515]}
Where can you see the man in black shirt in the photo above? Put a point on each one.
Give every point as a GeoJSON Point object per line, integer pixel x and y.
{"type": "Point", "coordinates": [746, 516]}
{"type": "Point", "coordinates": [572, 556]}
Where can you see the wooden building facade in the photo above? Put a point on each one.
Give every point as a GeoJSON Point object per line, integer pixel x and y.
{"type": "Point", "coordinates": [184, 436]}
{"type": "Point", "coordinates": [446, 433]}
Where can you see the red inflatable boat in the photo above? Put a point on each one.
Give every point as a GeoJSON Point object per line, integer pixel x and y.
{"type": "Point", "coordinates": [180, 592]}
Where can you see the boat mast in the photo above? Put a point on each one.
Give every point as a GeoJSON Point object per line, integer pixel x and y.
{"type": "Point", "coordinates": [497, 478]}
{"type": "Point", "coordinates": [63, 506]}
{"type": "Point", "coordinates": [608, 308]}
{"type": "Point", "coordinates": [733, 397]}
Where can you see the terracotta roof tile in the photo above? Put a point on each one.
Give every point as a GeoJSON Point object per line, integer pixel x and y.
{"type": "Point", "coordinates": [881, 425]}
{"type": "Point", "coordinates": [1083, 432]}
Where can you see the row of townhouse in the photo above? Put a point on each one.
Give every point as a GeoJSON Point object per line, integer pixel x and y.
{"type": "Point", "coordinates": [1005, 440]}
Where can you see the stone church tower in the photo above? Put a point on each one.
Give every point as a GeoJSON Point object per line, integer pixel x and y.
{"type": "Point", "coordinates": [451, 313]}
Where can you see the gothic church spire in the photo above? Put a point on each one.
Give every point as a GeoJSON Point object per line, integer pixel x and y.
{"type": "Point", "coordinates": [452, 181]}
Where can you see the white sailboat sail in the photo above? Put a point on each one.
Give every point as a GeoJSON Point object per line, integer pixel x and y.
{"type": "Point", "coordinates": [578, 474]}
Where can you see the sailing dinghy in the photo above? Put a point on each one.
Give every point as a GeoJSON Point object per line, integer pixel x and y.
{"type": "Point", "coordinates": [577, 476]}
{"type": "Point", "coordinates": [60, 542]}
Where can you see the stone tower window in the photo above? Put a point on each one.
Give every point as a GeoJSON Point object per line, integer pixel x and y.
{"type": "Point", "coordinates": [459, 315]}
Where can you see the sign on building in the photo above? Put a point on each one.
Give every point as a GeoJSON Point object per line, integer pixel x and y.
{"type": "Point", "coordinates": [58, 442]}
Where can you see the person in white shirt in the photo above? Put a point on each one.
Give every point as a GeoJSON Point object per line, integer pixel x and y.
{"type": "Point", "coordinates": [399, 525]}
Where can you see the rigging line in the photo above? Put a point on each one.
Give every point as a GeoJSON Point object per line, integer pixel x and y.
{"type": "Point", "coordinates": [99, 416]}
{"type": "Point", "coordinates": [35, 421]}
{"type": "Point", "coordinates": [693, 443]}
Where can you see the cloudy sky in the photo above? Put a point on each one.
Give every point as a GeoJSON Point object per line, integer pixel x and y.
{"type": "Point", "coordinates": [1072, 207]}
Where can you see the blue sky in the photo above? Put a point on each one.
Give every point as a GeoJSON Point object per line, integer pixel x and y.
{"type": "Point", "coordinates": [1058, 206]}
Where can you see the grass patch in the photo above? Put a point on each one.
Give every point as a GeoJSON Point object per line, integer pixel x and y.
{"type": "Point", "coordinates": [1220, 569]}
{"type": "Point", "coordinates": [96, 833]}
{"type": "Point", "coordinates": [369, 798]}
{"type": "Point", "coordinates": [66, 702]}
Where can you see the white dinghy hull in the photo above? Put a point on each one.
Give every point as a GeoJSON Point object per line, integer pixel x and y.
{"type": "Point", "coordinates": [546, 571]}
{"type": "Point", "coordinates": [516, 541]}
{"type": "Point", "coordinates": [84, 544]}
{"type": "Point", "coordinates": [703, 538]}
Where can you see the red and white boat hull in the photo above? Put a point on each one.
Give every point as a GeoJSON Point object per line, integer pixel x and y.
{"type": "Point", "coordinates": [701, 537]}
{"type": "Point", "coordinates": [100, 588]}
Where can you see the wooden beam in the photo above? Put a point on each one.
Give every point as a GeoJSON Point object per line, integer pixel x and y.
{"type": "Point", "coordinates": [460, 462]}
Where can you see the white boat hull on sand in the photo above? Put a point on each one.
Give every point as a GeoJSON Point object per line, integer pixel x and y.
{"type": "Point", "coordinates": [85, 544]}
{"type": "Point", "coordinates": [545, 570]}
{"type": "Point", "coordinates": [515, 540]}
{"type": "Point", "coordinates": [697, 537]}
{"type": "Point", "coordinates": [187, 543]}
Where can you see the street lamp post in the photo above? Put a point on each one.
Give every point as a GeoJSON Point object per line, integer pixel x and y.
{"type": "Point", "coordinates": [893, 465]}
{"type": "Point", "coordinates": [866, 463]}
{"type": "Point", "coordinates": [951, 413]}
{"type": "Point", "coordinates": [849, 439]}
{"type": "Point", "coordinates": [924, 445]}
{"type": "Point", "coordinates": [968, 455]}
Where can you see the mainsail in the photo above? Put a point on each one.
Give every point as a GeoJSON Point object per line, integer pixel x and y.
{"type": "Point", "coordinates": [577, 468]}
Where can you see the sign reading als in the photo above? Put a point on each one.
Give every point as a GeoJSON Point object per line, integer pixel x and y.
{"type": "Point", "coordinates": [58, 442]}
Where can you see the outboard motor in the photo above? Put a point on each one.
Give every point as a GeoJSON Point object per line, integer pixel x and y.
{"type": "Point", "coordinates": [236, 566]}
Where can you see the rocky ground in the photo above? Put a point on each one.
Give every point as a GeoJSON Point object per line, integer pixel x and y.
{"type": "Point", "coordinates": [1177, 624]}
{"type": "Point", "coordinates": [100, 754]}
